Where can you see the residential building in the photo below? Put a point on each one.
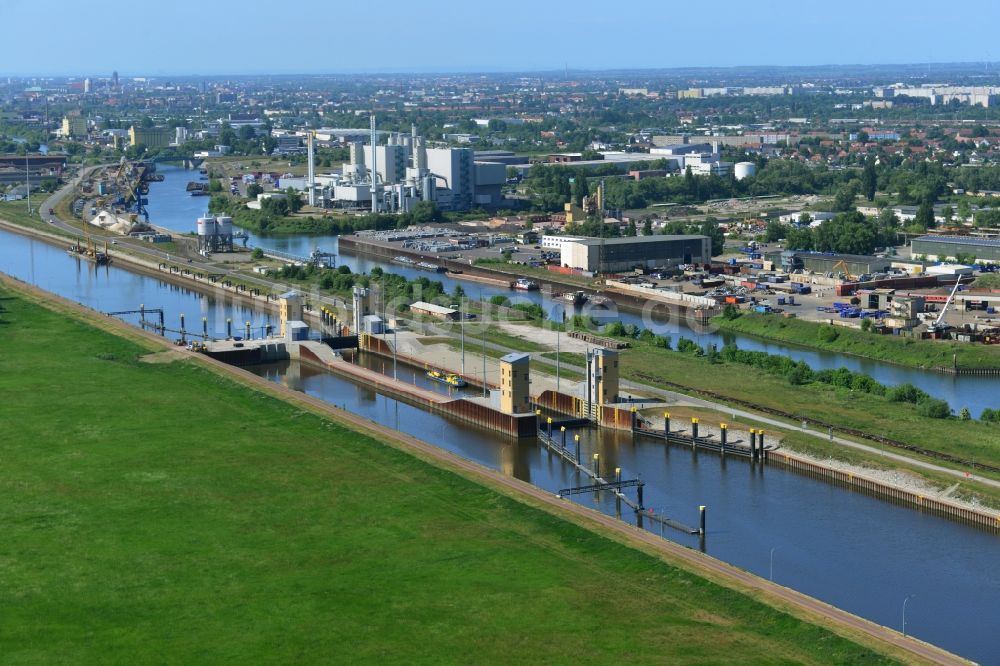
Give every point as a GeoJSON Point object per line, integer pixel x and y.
{"type": "Point", "coordinates": [75, 126]}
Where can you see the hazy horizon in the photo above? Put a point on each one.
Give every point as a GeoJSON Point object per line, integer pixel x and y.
{"type": "Point", "coordinates": [190, 38]}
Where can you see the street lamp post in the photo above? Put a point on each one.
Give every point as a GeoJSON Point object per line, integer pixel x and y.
{"type": "Point", "coordinates": [558, 336]}
{"type": "Point", "coordinates": [908, 597]}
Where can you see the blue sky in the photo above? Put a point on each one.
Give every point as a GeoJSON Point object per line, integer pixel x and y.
{"type": "Point", "coordinates": [94, 37]}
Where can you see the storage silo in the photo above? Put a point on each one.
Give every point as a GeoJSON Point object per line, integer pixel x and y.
{"type": "Point", "coordinates": [224, 233]}
{"type": "Point", "coordinates": [206, 232]}
{"type": "Point", "coordinates": [744, 169]}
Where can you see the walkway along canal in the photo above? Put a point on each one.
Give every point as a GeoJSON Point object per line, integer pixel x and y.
{"type": "Point", "coordinates": [846, 548]}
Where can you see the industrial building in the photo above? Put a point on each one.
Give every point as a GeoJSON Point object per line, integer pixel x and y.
{"type": "Point", "coordinates": [289, 310]}
{"type": "Point", "coordinates": [702, 159]}
{"type": "Point", "coordinates": [613, 255]}
{"type": "Point", "coordinates": [423, 308]}
{"type": "Point", "coordinates": [393, 176]}
{"type": "Point", "coordinates": [602, 386]}
{"type": "Point", "coordinates": [151, 137]}
{"type": "Point", "coordinates": [515, 383]}
{"type": "Point", "coordinates": [941, 248]}
{"type": "Point", "coordinates": [821, 262]}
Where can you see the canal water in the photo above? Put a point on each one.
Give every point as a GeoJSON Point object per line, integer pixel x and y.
{"type": "Point", "coordinates": [170, 206]}
{"type": "Point", "coordinates": [856, 552]}
{"type": "Point", "coordinates": [114, 289]}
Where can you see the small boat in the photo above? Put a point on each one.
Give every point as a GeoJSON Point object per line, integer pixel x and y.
{"type": "Point", "coordinates": [524, 284]}
{"type": "Point", "coordinates": [402, 260]}
{"type": "Point", "coordinates": [427, 266]}
{"type": "Point", "coordinates": [575, 297]}
{"type": "Point", "coordinates": [447, 378]}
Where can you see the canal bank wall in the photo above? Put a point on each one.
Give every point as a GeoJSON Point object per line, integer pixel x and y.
{"type": "Point", "coordinates": [474, 411]}
{"type": "Point", "coordinates": [981, 518]}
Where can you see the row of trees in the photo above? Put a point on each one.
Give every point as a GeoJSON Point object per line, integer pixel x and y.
{"type": "Point", "coordinates": [846, 233]}
{"type": "Point", "coordinates": [799, 372]}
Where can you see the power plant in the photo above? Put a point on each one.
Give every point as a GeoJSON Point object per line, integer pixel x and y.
{"type": "Point", "coordinates": [393, 177]}
{"type": "Point", "coordinates": [215, 234]}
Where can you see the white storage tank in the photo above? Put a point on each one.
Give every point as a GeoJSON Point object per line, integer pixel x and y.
{"type": "Point", "coordinates": [206, 226]}
{"type": "Point", "coordinates": [224, 225]}
{"type": "Point", "coordinates": [744, 169]}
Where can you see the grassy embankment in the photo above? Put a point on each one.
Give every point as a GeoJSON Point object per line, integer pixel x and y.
{"type": "Point", "coordinates": [814, 401]}
{"type": "Point", "coordinates": [16, 212]}
{"type": "Point", "coordinates": [162, 512]}
{"type": "Point", "coordinates": [891, 349]}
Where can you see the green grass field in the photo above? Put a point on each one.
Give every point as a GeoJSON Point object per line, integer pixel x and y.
{"type": "Point", "coordinates": [158, 512]}
{"type": "Point", "coordinates": [892, 349]}
{"type": "Point", "coordinates": [815, 401]}
{"type": "Point", "coordinates": [16, 212]}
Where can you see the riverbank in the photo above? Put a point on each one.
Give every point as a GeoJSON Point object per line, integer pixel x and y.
{"type": "Point", "coordinates": [962, 445]}
{"type": "Point", "coordinates": [860, 469]}
{"type": "Point", "coordinates": [942, 356]}
{"type": "Point", "coordinates": [267, 525]}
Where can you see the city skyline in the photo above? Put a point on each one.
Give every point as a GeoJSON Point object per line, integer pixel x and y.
{"type": "Point", "coordinates": [395, 37]}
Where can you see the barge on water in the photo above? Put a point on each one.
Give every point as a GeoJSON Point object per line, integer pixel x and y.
{"type": "Point", "coordinates": [90, 253]}
{"type": "Point", "coordinates": [447, 378]}
{"type": "Point", "coordinates": [524, 284]}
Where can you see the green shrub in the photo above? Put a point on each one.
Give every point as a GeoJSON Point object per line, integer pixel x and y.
{"type": "Point", "coordinates": [933, 408]}
{"type": "Point", "coordinates": [687, 346]}
{"type": "Point", "coordinates": [614, 329]}
{"type": "Point", "coordinates": [906, 393]}
{"type": "Point", "coordinates": [828, 333]}
{"type": "Point", "coordinates": [798, 375]}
